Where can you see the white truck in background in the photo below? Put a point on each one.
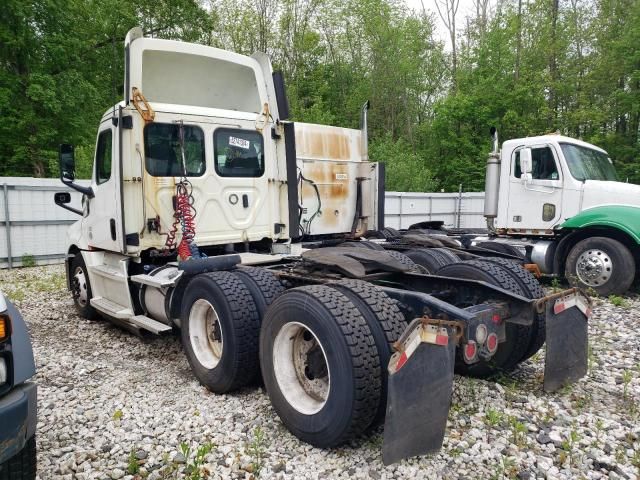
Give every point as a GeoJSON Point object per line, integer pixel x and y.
{"type": "Point", "coordinates": [212, 214]}
{"type": "Point", "coordinates": [559, 199]}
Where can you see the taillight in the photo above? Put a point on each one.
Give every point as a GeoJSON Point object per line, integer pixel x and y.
{"type": "Point", "coordinates": [470, 351]}
{"type": "Point", "coordinates": [492, 343]}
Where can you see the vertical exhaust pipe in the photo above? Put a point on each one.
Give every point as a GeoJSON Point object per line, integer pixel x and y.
{"type": "Point", "coordinates": [364, 137]}
{"type": "Point", "coordinates": [492, 182]}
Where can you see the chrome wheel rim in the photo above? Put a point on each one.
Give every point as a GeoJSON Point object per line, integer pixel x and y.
{"type": "Point", "coordinates": [301, 368]}
{"type": "Point", "coordinates": [80, 290]}
{"type": "Point", "coordinates": [594, 267]}
{"type": "Point", "coordinates": [205, 334]}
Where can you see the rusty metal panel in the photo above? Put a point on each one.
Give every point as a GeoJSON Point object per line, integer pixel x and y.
{"type": "Point", "coordinates": [322, 142]}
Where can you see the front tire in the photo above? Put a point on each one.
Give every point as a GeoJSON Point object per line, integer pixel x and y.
{"type": "Point", "coordinates": [601, 263]}
{"type": "Point", "coordinates": [81, 288]}
{"type": "Point", "coordinates": [219, 331]}
{"type": "Point", "coordinates": [320, 365]}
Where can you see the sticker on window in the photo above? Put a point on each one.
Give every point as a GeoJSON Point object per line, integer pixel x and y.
{"type": "Point", "coordinates": [239, 142]}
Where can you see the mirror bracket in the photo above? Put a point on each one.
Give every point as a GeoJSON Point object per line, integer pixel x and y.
{"type": "Point", "coordinates": [62, 198]}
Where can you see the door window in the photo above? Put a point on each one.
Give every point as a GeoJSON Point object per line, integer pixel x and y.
{"type": "Point", "coordinates": [163, 155]}
{"type": "Point", "coordinates": [103, 157]}
{"type": "Point", "coordinates": [238, 153]}
{"type": "Point", "coordinates": [543, 164]}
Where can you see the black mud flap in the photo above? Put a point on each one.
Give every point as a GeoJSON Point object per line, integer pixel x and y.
{"type": "Point", "coordinates": [418, 400]}
{"type": "Point", "coordinates": [567, 340]}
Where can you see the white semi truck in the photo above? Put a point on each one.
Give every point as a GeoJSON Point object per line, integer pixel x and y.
{"type": "Point", "coordinates": [559, 199]}
{"type": "Point", "coordinates": [209, 213]}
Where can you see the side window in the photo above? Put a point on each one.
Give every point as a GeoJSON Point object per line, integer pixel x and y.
{"type": "Point", "coordinates": [163, 156]}
{"type": "Point", "coordinates": [103, 157]}
{"type": "Point", "coordinates": [238, 153]}
{"type": "Point", "coordinates": [543, 164]}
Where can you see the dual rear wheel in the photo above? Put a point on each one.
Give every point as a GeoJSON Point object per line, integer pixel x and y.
{"type": "Point", "coordinates": [322, 349]}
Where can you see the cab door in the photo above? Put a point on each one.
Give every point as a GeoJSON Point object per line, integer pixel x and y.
{"type": "Point", "coordinates": [103, 221]}
{"type": "Point", "coordinates": [535, 203]}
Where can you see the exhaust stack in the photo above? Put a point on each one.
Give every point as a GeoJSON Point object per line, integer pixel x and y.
{"type": "Point", "coordinates": [492, 182]}
{"type": "Point", "coordinates": [364, 139]}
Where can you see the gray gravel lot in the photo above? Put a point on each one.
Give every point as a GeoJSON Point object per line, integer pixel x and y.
{"type": "Point", "coordinates": [110, 404]}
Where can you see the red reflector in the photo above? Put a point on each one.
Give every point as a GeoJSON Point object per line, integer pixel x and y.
{"type": "Point", "coordinates": [496, 318]}
{"type": "Point", "coordinates": [470, 350]}
{"type": "Point", "coordinates": [492, 342]}
{"type": "Point", "coordinates": [442, 340]}
{"type": "Point", "coordinates": [558, 308]}
{"type": "Point", "coordinates": [401, 361]}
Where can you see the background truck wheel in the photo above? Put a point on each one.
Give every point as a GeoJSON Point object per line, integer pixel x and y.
{"type": "Point", "coordinates": [385, 321]}
{"type": "Point", "coordinates": [263, 285]}
{"type": "Point", "coordinates": [220, 329]}
{"type": "Point", "coordinates": [532, 289]}
{"type": "Point", "coordinates": [601, 263]}
{"type": "Point", "coordinates": [363, 244]}
{"type": "Point", "coordinates": [511, 351]}
{"type": "Point", "coordinates": [320, 365]}
{"type": "Point", "coordinates": [21, 466]}
{"type": "Point", "coordinates": [405, 260]}
{"type": "Point", "coordinates": [81, 288]}
{"type": "Point", "coordinates": [427, 259]}
{"type": "Point", "coordinates": [447, 255]}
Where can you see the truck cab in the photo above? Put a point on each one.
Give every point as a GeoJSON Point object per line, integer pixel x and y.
{"type": "Point", "coordinates": [187, 168]}
{"type": "Point", "coordinates": [561, 199]}
{"type": "Point", "coordinates": [564, 177]}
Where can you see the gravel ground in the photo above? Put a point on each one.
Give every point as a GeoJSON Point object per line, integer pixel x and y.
{"type": "Point", "coordinates": [111, 404]}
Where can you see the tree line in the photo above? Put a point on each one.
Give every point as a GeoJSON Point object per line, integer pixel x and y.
{"type": "Point", "coordinates": [527, 67]}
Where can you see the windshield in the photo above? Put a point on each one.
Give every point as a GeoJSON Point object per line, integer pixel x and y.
{"type": "Point", "coordinates": [588, 164]}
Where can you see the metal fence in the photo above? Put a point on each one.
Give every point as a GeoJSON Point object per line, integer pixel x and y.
{"type": "Point", "coordinates": [35, 228]}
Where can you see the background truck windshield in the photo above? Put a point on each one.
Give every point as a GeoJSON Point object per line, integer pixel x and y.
{"type": "Point", "coordinates": [588, 164]}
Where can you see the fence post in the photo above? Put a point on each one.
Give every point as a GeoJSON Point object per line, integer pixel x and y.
{"type": "Point", "coordinates": [459, 209]}
{"type": "Point", "coordinates": [7, 224]}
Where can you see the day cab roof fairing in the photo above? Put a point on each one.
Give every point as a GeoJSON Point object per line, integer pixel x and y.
{"type": "Point", "coordinates": [191, 75]}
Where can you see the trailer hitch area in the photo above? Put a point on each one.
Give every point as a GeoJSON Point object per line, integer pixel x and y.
{"type": "Point", "coordinates": [566, 321]}
{"type": "Point", "coordinates": [419, 388]}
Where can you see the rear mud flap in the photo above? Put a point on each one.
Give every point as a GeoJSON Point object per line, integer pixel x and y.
{"type": "Point", "coordinates": [567, 341]}
{"type": "Point", "coordinates": [419, 395]}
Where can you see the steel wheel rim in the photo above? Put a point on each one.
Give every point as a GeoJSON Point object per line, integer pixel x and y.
{"type": "Point", "coordinates": [80, 290]}
{"type": "Point", "coordinates": [594, 267]}
{"type": "Point", "coordinates": [293, 346]}
{"type": "Point", "coordinates": [205, 334]}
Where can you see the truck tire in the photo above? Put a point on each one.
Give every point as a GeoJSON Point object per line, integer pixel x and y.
{"type": "Point", "coordinates": [22, 466]}
{"type": "Point", "coordinates": [220, 328]}
{"type": "Point", "coordinates": [320, 365]}
{"type": "Point", "coordinates": [405, 260]}
{"type": "Point", "coordinates": [263, 285]}
{"type": "Point", "coordinates": [601, 263]}
{"type": "Point", "coordinates": [447, 255]}
{"type": "Point", "coordinates": [385, 321]}
{"type": "Point", "coordinates": [427, 259]}
{"type": "Point", "coordinates": [390, 232]}
{"type": "Point", "coordinates": [511, 351]}
{"type": "Point", "coordinates": [532, 289]}
{"type": "Point", "coordinates": [81, 288]}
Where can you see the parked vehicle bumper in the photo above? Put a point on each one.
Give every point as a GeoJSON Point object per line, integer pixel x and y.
{"type": "Point", "coordinates": [17, 419]}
